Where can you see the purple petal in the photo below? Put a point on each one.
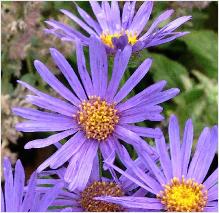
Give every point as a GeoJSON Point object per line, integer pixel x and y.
{"type": "Point", "coordinates": [115, 15]}
{"type": "Point", "coordinates": [64, 153]}
{"type": "Point", "coordinates": [211, 208]}
{"type": "Point", "coordinates": [88, 19]}
{"type": "Point", "coordinates": [162, 96]}
{"type": "Point", "coordinates": [175, 24]}
{"type": "Point", "coordinates": [133, 139]}
{"type": "Point", "coordinates": [134, 202]}
{"type": "Point", "coordinates": [153, 167]}
{"type": "Point", "coordinates": [140, 193]}
{"type": "Point", "coordinates": [69, 73]}
{"type": "Point", "coordinates": [50, 105]}
{"type": "Point", "coordinates": [213, 193]}
{"type": "Point", "coordinates": [37, 115]}
{"type": "Point", "coordinates": [125, 174]}
{"type": "Point", "coordinates": [164, 156]}
{"type": "Point", "coordinates": [141, 18]}
{"type": "Point", "coordinates": [98, 12]}
{"type": "Point", "coordinates": [133, 80]}
{"type": "Point", "coordinates": [120, 63]}
{"type": "Point", "coordinates": [79, 22]}
{"type": "Point", "coordinates": [162, 17]}
{"type": "Point", "coordinates": [158, 41]}
{"type": "Point", "coordinates": [153, 115]}
{"type": "Point", "coordinates": [107, 15]}
{"type": "Point", "coordinates": [67, 32]}
{"type": "Point", "coordinates": [55, 83]}
{"type": "Point", "coordinates": [56, 104]}
{"type": "Point", "coordinates": [186, 147]}
{"type": "Point", "coordinates": [141, 110]}
{"type": "Point", "coordinates": [2, 201]}
{"type": "Point", "coordinates": [85, 78]}
{"type": "Point", "coordinates": [49, 197]}
{"type": "Point", "coordinates": [134, 169]}
{"type": "Point", "coordinates": [107, 148]}
{"type": "Point", "coordinates": [42, 126]}
{"type": "Point", "coordinates": [79, 178]}
{"type": "Point", "coordinates": [30, 194]}
{"type": "Point", "coordinates": [39, 143]}
{"type": "Point", "coordinates": [8, 185]}
{"type": "Point", "coordinates": [140, 97]}
{"type": "Point", "coordinates": [95, 173]}
{"type": "Point", "coordinates": [128, 13]}
{"type": "Point", "coordinates": [99, 66]}
{"type": "Point", "coordinates": [19, 178]}
{"type": "Point", "coordinates": [211, 180]}
{"type": "Point", "coordinates": [143, 131]}
{"type": "Point", "coordinates": [206, 156]}
{"type": "Point", "coordinates": [199, 148]}
{"type": "Point", "coordinates": [174, 137]}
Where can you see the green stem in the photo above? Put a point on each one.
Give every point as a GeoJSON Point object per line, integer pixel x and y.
{"type": "Point", "coordinates": [100, 163]}
{"type": "Point", "coordinates": [29, 65]}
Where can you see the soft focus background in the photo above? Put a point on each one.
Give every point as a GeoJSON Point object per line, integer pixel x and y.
{"type": "Point", "coordinates": [189, 63]}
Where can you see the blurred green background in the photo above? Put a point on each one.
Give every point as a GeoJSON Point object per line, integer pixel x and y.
{"type": "Point", "coordinates": [189, 63]}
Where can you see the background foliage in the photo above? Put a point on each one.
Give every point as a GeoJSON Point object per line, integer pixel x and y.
{"type": "Point", "coordinates": [189, 63]}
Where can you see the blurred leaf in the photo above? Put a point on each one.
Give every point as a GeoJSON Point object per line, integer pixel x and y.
{"type": "Point", "coordinates": [203, 45]}
{"type": "Point", "coordinates": [164, 68]}
{"type": "Point", "coordinates": [29, 78]}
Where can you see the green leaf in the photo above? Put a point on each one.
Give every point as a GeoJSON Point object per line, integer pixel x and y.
{"type": "Point", "coordinates": [29, 78]}
{"type": "Point", "coordinates": [164, 68]}
{"type": "Point", "coordinates": [203, 45]}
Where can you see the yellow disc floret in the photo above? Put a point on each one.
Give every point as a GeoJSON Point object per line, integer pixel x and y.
{"type": "Point", "coordinates": [107, 38]}
{"type": "Point", "coordinates": [97, 118]}
{"type": "Point", "coordinates": [183, 196]}
{"type": "Point", "coordinates": [132, 37]}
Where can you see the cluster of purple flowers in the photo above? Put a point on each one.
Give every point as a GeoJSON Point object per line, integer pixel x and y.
{"type": "Point", "coordinates": [97, 118]}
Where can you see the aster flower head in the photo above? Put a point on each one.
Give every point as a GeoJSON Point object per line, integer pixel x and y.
{"type": "Point", "coordinates": [181, 182]}
{"type": "Point", "coordinates": [16, 197]}
{"type": "Point", "coordinates": [94, 114]}
{"type": "Point", "coordinates": [98, 185]}
{"type": "Point", "coordinates": [117, 28]}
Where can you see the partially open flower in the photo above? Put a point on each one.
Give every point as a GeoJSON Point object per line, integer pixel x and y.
{"type": "Point", "coordinates": [117, 28]}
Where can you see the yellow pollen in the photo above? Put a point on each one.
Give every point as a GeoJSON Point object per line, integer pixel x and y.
{"type": "Point", "coordinates": [97, 118]}
{"type": "Point", "coordinates": [183, 196]}
{"type": "Point", "coordinates": [107, 38]}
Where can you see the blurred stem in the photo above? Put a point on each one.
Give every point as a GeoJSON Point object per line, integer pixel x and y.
{"type": "Point", "coordinates": [100, 164]}
{"type": "Point", "coordinates": [29, 64]}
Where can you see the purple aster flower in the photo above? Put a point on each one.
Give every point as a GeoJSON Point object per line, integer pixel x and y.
{"type": "Point", "coordinates": [94, 115]}
{"type": "Point", "coordinates": [181, 182]}
{"type": "Point", "coordinates": [83, 200]}
{"type": "Point", "coordinates": [117, 28]}
{"type": "Point", "coordinates": [20, 198]}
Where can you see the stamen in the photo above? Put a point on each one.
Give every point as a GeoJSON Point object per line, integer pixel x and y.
{"type": "Point", "coordinates": [107, 37]}
{"type": "Point", "coordinates": [100, 189]}
{"type": "Point", "coordinates": [97, 118]}
{"type": "Point", "coordinates": [183, 196]}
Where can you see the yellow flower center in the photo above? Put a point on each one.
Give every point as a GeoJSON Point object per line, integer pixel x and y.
{"type": "Point", "coordinates": [107, 38]}
{"type": "Point", "coordinates": [98, 189]}
{"type": "Point", "coordinates": [97, 118]}
{"type": "Point", "coordinates": [183, 196]}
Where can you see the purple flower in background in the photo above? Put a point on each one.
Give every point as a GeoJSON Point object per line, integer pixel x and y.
{"type": "Point", "coordinates": [83, 200]}
{"type": "Point", "coordinates": [117, 28]}
{"type": "Point", "coordinates": [20, 198]}
{"type": "Point", "coordinates": [181, 182]}
{"type": "Point", "coordinates": [95, 115]}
